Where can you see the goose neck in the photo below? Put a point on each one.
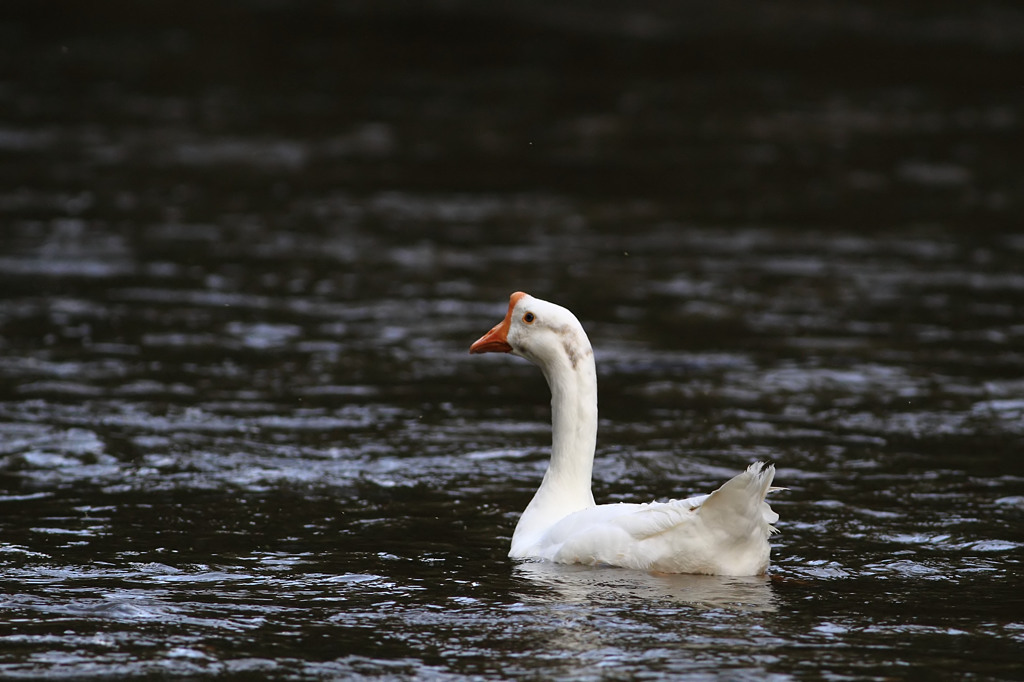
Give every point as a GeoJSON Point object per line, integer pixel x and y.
{"type": "Point", "coordinates": [573, 425]}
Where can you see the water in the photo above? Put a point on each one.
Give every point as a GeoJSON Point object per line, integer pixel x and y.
{"type": "Point", "coordinates": [240, 432]}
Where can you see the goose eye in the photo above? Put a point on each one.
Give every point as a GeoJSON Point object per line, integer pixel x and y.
{"type": "Point", "coordinates": [528, 318]}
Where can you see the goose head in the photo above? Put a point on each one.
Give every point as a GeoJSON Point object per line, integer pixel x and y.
{"type": "Point", "coordinates": [546, 334]}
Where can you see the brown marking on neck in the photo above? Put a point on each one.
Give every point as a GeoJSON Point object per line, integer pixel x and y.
{"type": "Point", "coordinates": [569, 344]}
{"type": "Point", "coordinates": [570, 352]}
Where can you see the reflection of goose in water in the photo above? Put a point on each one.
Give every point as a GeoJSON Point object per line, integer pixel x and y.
{"type": "Point", "coordinates": [576, 583]}
{"type": "Point", "coordinates": [722, 533]}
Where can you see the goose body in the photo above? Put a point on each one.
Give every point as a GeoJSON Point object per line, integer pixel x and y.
{"type": "Point", "coordinates": [721, 533]}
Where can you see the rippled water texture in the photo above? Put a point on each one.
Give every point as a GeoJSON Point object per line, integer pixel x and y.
{"type": "Point", "coordinates": [244, 248]}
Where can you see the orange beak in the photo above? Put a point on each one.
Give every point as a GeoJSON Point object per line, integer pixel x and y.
{"type": "Point", "coordinates": [496, 340]}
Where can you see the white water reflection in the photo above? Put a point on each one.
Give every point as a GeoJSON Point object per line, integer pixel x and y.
{"type": "Point", "coordinates": [609, 585]}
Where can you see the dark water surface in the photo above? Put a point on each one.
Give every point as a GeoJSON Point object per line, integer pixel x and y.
{"type": "Point", "coordinates": [244, 248]}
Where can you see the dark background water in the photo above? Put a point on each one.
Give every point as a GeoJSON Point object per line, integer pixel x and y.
{"type": "Point", "coordinates": [244, 247]}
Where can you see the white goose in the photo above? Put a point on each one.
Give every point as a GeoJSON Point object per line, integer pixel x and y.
{"type": "Point", "coordinates": [723, 533]}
